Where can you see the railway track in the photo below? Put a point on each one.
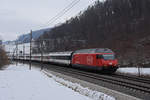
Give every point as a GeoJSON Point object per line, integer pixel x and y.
{"type": "Point", "coordinates": [134, 78]}
{"type": "Point", "coordinates": [139, 84]}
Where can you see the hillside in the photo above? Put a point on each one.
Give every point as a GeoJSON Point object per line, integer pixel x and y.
{"type": "Point", "coordinates": [35, 35]}
{"type": "Point", "coordinates": [121, 25]}
{"type": "Point", "coordinates": [26, 37]}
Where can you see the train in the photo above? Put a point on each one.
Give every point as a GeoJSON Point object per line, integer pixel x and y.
{"type": "Point", "coordinates": [99, 59]}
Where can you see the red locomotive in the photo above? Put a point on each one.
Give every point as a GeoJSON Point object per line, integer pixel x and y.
{"type": "Point", "coordinates": [98, 59]}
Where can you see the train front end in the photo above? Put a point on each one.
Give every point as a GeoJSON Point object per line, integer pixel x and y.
{"type": "Point", "coordinates": [107, 61]}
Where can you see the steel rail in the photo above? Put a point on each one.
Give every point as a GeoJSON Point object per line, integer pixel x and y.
{"type": "Point", "coordinates": [131, 84]}
{"type": "Point", "coordinates": [134, 78]}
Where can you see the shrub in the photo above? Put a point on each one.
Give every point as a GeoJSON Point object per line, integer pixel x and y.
{"type": "Point", "coordinates": [3, 58]}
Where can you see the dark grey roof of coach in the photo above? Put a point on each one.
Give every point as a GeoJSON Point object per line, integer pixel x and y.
{"type": "Point", "coordinates": [96, 50]}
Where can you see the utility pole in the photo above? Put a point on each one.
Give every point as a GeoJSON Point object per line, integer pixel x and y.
{"type": "Point", "coordinates": [30, 48]}
{"type": "Point", "coordinates": [23, 52]}
{"type": "Point", "coordinates": [138, 59]}
{"type": "Point", "coordinates": [16, 53]}
{"type": "Point", "coordinates": [42, 54]}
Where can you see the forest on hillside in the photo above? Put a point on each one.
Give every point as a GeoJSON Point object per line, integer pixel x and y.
{"type": "Point", "coordinates": [121, 25]}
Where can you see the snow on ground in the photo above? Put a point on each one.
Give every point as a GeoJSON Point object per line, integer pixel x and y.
{"type": "Point", "coordinates": [82, 90]}
{"type": "Point", "coordinates": [134, 70]}
{"type": "Point", "coordinates": [20, 83]}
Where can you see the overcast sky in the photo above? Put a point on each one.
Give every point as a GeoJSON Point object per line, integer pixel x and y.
{"type": "Point", "coordinates": [20, 16]}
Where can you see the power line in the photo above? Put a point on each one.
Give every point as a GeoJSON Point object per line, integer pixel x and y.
{"type": "Point", "coordinates": [62, 10]}
{"type": "Point", "coordinates": [61, 13]}
{"type": "Point", "coordinates": [65, 11]}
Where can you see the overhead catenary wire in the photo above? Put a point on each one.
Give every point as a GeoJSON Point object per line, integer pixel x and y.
{"type": "Point", "coordinates": [61, 13]}
{"type": "Point", "coordinates": [65, 9]}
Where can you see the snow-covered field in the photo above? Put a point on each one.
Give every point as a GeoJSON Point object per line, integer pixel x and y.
{"type": "Point", "coordinates": [20, 83]}
{"type": "Point", "coordinates": [134, 70]}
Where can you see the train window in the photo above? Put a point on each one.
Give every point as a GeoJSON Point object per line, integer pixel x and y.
{"type": "Point", "coordinates": [105, 57]}
{"type": "Point", "coordinates": [109, 57]}
{"type": "Point", "coordinates": [99, 56]}
{"type": "Point", "coordinates": [61, 57]}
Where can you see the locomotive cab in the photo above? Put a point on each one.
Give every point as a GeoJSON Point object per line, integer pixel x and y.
{"type": "Point", "coordinates": [106, 60]}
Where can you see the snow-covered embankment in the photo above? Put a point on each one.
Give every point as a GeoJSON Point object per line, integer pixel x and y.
{"type": "Point", "coordinates": [20, 83]}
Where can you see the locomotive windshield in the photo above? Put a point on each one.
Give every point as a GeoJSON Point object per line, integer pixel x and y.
{"type": "Point", "coordinates": [106, 57]}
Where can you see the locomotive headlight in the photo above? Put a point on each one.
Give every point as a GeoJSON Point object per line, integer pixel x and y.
{"type": "Point", "coordinates": [115, 65]}
{"type": "Point", "coordinates": [110, 63]}
{"type": "Point", "coordinates": [105, 65]}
